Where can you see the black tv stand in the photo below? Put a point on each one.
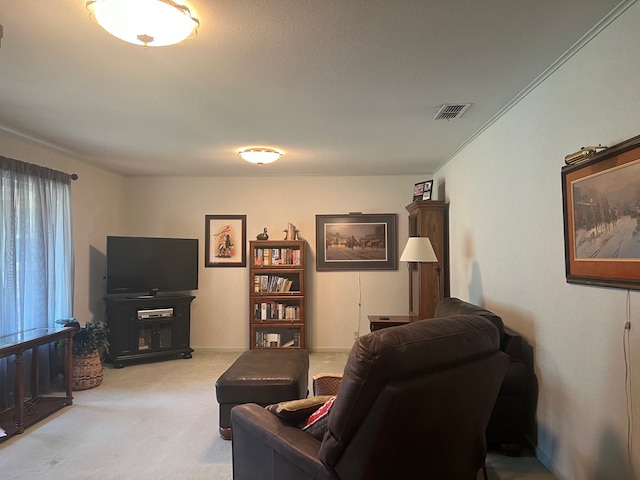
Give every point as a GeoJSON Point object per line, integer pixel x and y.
{"type": "Point", "coordinates": [148, 327]}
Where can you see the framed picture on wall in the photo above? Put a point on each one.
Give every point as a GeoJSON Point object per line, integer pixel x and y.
{"type": "Point", "coordinates": [225, 241]}
{"type": "Point", "coordinates": [601, 207]}
{"type": "Point", "coordinates": [418, 188]}
{"type": "Point", "coordinates": [422, 190]}
{"type": "Point", "coordinates": [356, 242]}
{"type": "Point", "coordinates": [427, 189]}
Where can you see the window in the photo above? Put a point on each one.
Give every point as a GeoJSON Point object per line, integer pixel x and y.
{"type": "Point", "coordinates": [36, 251]}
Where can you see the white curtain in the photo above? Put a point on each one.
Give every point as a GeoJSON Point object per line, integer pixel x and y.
{"type": "Point", "coordinates": [36, 251]}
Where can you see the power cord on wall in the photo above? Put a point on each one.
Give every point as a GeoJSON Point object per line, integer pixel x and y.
{"type": "Point", "coordinates": [626, 345]}
{"type": "Point", "coordinates": [356, 332]}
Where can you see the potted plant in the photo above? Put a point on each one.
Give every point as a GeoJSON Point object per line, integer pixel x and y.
{"type": "Point", "coordinates": [89, 343]}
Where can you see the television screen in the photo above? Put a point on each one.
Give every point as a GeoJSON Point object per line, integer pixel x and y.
{"type": "Point", "coordinates": [150, 265]}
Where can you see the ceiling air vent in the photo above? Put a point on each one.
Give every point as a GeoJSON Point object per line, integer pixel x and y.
{"type": "Point", "coordinates": [450, 111]}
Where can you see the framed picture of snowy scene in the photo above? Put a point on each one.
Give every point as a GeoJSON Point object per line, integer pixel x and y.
{"type": "Point", "coordinates": [601, 206]}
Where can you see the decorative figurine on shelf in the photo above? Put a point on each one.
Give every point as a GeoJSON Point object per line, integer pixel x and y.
{"type": "Point", "coordinates": [263, 236]}
{"type": "Point", "coordinates": [291, 232]}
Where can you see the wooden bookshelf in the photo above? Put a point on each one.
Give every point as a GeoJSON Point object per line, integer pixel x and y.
{"type": "Point", "coordinates": [277, 294]}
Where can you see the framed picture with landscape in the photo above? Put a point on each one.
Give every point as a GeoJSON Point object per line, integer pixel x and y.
{"type": "Point", "coordinates": [356, 242]}
{"type": "Point", "coordinates": [601, 206]}
{"type": "Point", "coordinates": [225, 241]}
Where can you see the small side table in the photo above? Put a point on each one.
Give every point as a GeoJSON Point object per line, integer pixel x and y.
{"type": "Point", "coordinates": [28, 412]}
{"type": "Point", "coordinates": [377, 322]}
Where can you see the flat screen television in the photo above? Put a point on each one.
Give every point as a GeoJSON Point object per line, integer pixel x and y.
{"type": "Point", "coordinates": [146, 265]}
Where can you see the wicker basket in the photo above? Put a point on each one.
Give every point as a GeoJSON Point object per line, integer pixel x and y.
{"type": "Point", "coordinates": [87, 371]}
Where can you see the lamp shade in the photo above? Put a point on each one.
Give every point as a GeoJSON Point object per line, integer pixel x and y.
{"type": "Point", "coordinates": [153, 23]}
{"type": "Point", "coordinates": [419, 249]}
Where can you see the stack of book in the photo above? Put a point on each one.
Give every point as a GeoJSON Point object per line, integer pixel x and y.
{"type": "Point", "coordinates": [277, 256]}
{"type": "Point", "coordinates": [276, 311]}
{"type": "Point", "coordinates": [267, 340]}
{"type": "Point", "coordinates": [271, 284]}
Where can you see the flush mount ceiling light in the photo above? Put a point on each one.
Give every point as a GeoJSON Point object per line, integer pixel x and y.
{"type": "Point", "coordinates": [151, 23]}
{"type": "Point", "coordinates": [260, 155]}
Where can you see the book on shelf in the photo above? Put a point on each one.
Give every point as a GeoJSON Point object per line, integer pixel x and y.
{"type": "Point", "coordinates": [273, 340]}
{"type": "Point", "coordinates": [276, 256]}
{"type": "Point", "coordinates": [271, 284]}
{"type": "Point", "coordinates": [276, 311]}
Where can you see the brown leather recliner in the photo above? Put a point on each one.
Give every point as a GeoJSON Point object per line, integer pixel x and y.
{"type": "Point", "coordinates": [414, 402]}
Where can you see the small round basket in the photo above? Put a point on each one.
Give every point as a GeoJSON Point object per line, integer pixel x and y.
{"type": "Point", "coordinates": [87, 370]}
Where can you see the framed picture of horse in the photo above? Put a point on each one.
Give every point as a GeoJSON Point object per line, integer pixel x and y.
{"type": "Point", "coordinates": [601, 206]}
{"type": "Point", "coordinates": [225, 240]}
{"type": "Point", "coordinates": [356, 242]}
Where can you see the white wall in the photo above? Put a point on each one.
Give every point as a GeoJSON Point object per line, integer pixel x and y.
{"type": "Point", "coordinates": [220, 313]}
{"type": "Point", "coordinates": [507, 252]}
{"type": "Point", "coordinates": [97, 206]}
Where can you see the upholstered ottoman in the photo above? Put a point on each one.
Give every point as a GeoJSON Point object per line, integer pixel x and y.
{"type": "Point", "coordinates": [262, 377]}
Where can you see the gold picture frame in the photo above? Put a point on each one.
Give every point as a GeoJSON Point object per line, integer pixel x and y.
{"type": "Point", "coordinates": [601, 211]}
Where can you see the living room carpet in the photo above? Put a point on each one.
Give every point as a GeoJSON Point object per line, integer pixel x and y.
{"type": "Point", "coordinates": [159, 420]}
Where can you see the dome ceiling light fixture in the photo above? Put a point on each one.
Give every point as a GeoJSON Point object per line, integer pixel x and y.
{"type": "Point", "coordinates": [150, 23]}
{"type": "Point", "coordinates": [260, 155]}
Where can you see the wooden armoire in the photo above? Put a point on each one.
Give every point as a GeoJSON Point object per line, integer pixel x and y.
{"type": "Point", "coordinates": [428, 218]}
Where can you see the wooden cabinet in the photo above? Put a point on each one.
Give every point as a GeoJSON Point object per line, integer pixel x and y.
{"type": "Point", "coordinates": [429, 281]}
{"type": "Point", "coordinates": [277, 294]}
{"type": "Point", "coordinates": [148, 327]}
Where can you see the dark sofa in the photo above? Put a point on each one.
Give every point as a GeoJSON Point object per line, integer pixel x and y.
{"type": "Point", "coordinates": [506, 426]}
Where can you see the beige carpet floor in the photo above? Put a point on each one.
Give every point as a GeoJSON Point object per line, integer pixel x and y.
{"type": "Point", "coordinates": [159, 420]}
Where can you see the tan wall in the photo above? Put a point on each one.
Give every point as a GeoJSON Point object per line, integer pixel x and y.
{"type": "Point", "coordinates": [104, 204]}
{"type": "Point", "coordinates": [338, 302]}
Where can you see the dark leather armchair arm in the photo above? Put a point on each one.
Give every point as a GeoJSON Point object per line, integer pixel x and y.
{"type": "Point", "coordinates": [265, 446]}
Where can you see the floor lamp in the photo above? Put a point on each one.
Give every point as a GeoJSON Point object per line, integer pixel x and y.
{"type": "Point", "coordinates": [419, 250]}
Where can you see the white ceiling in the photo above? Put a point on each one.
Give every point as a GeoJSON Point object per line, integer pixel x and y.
{"type": "Point", "coordinates": [343, 87]}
